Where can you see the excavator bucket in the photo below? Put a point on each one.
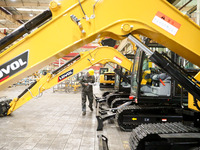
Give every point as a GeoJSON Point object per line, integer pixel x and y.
{"type": "Point", "coordinates": [4, 106]}
{"type": "Point", "coordinates": [103, 142]}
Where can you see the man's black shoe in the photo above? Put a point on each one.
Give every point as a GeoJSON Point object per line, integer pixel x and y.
{"type": "Point", "coordinates": [91, 108]}
{"type": "Point", "coordinates": [83, 113]}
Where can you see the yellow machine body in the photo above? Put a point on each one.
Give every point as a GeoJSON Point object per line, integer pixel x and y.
{"type": "Point", "coordinates": [107, 79]}
{"type": "Point", "coordinates": [115, 19]}
{"type": "Point", "coordinates": [191, 103]}
{"type": "Point", "coordinates": [144, 79]}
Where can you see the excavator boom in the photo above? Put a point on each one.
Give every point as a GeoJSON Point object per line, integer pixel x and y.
{"type": "Point", "coordinates": [74, 24]}
{"type": "Point", "coordinates": [76, 65]}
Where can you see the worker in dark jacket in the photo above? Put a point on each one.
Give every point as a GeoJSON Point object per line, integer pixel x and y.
{"type": "Point", "coordinates": [87, 90]}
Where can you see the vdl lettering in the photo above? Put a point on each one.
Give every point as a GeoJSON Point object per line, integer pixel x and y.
{"type": "Point", "coordinates": [13, 66]}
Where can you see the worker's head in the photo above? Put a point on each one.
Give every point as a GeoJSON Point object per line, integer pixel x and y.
{"type": "Point", "coordinates": [91, 72]}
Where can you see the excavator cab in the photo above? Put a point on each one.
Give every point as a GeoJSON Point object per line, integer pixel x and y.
{"type": "Point", "coordinates": [157, 96]}
{"type": "Point", "coordinates": [161, 102]}
{"type": "Point", "coordinates": [121, 84]}
{"type": "Point", "coordinates": [151, 84]}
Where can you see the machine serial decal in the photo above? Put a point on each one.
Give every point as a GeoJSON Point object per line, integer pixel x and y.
{"type": "Point", "coordinates": [65, 75]}
{"type": "Point", "coordinates": [166, 23]}
{"type": "Point", "coordinates": [117, 59]}
{"type": "Point", "coordinates": [13, 66]}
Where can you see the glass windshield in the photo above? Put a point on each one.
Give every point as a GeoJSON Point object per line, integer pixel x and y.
{"type": "Point", "coordinates": [117, 79]}
{"type": "Point", "coordinates": [154, 81]}
{"type": "Point", "coordinates": [103, 70]}
{"type": "Point", "coordinates": [134, 84]}
{"type": "Point", "coordinates": [151, 80]}
{"type": "Point", "coordinates": [190, 69]}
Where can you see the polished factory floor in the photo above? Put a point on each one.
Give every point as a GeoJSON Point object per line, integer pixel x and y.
{"type": "Point", "coordinates": [54, 121]}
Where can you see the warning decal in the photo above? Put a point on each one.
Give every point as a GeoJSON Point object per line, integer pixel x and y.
{"type": "Point", "coordinates": [117, 59]}
{"type": "Point", "coordinates": [166, 23]}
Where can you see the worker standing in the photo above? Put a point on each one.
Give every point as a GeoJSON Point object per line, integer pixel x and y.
{"type": "Point", "coordinates": [87, 90]}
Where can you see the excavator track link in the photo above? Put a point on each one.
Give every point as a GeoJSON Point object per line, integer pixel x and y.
{"type": "Point", "coordinates": [147, 133]}
{"type": "Point", "coordinates": [131, 116]}
{"type": "Point", "coordinates": [119, 117]}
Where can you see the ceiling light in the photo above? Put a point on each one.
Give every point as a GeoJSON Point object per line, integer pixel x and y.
{"type": "Point", "coordinates": [31, 15]}
{"type": "Point", "coordinates": [27, 9]}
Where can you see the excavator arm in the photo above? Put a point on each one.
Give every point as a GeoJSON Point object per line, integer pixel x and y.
{"type": "Point", "coordinates": [74, 24]}
{"type": "Point", "coordinates": [76, 65]}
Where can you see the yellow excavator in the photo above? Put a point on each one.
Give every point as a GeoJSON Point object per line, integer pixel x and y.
{"type": "Point", "coordinates": [106, 78]}
{"type": "Point", "coordinates": [69, 24]}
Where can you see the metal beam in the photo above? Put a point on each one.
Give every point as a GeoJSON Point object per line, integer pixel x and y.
{"type": "Point", "coordinates": [7, 3]}
{"type": "Point", "coordinates": [175, 2]}
{"type": "Point", "coordinates": [9, 17]}
{"type": "Point", "coordinates": [185, 4]}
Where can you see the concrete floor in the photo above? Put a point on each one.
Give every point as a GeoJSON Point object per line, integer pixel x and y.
{"type": "Point", "coordinates": [54, 122]}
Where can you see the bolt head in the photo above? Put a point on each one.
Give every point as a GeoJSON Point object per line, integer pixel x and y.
{"type": "Point", "coordinates": [54, 5]}
{"type": "Point", "coordinates": [127, 27]}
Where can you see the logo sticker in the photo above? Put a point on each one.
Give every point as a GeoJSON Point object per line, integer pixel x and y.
{"type": "Point", "coordinates": [13, 66]}
{"type": "Point", "coordinates": [166, 23]}
{"type": "Point", "coordinates": [65, 75]}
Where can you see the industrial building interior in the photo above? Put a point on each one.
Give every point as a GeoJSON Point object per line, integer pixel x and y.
{"type": "Point", "coordinates": [146, 93]}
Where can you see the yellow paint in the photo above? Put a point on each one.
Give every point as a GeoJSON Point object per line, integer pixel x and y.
{"type": "Point", "coordinates": [134, 118]}
{"type": "Point", "coordinates": [102, 78]}
{"type": "Point", "coordinates": [191, 98]}
{"type": "Point", "coordinates": [127, 27]}
{"type": "Point", "coordinates": [54, 5]}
